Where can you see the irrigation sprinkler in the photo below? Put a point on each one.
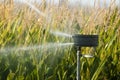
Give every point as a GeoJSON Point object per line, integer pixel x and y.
{"type": "Point", "coordinates": [83, 41]}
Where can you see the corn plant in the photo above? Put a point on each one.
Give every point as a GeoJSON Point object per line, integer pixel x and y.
{"type": "Point", "coordinates": [23, 32]}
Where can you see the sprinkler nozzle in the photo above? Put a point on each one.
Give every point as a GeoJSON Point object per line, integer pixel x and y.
{"type": "Point", "coordinates": [85, 40]}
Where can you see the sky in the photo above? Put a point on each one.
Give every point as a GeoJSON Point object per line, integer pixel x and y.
{"type": "Point", "coordinates": [77, 2]}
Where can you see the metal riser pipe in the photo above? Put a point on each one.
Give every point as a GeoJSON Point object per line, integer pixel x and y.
{"type": "Point", "coordinates": [78, 62]}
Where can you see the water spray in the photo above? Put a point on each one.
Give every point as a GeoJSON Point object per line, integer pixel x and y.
{"type": "Point", "coordinates": [83, 41]}
{"type": "Point", "coordinates": [33, 7]}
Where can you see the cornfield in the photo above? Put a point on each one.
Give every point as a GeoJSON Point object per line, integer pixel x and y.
{"type": "Point", "coordinates": [23, 30]}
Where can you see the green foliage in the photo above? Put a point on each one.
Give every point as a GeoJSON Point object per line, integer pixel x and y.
{"type": "Point", "coordinates": [57, 63]}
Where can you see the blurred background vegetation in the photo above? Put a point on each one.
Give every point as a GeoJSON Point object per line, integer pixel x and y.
{"type": "Point", "coordinates": [22, 26]}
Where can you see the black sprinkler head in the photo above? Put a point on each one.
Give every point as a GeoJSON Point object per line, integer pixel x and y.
{"type": "Point", "coordinates": [85, 40]}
